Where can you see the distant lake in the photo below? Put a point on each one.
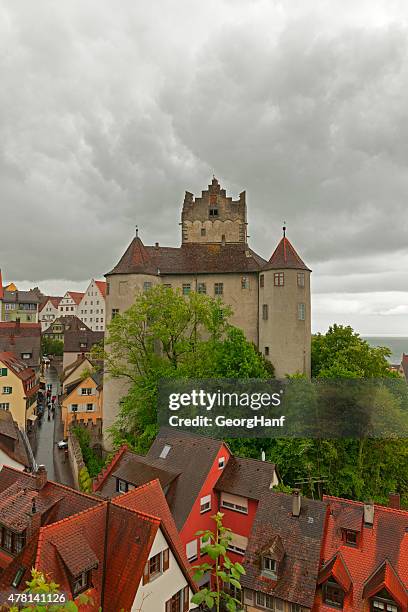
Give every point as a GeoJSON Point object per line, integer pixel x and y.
{"type": "Point", "coordinates": [396, 344]}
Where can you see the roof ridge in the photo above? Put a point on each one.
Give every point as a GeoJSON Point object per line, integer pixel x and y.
{"type": "Point", "coordinates": [145, 515]}
{"type": "Point", "coordinates": [360, 503]}
{"type": "Point", "coordinates": [75, 516]}
{"type": "Point", "coordinates": [104, 473]}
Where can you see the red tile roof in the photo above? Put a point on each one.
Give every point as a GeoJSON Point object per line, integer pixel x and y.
{"type": "Point", "coordinates": [76, 296]}
{"type": "Point", "coordinates": [380, 558]}
{"type": "Point", "coordinates": [150, 498]}
{"type": "Point", "coordinates": [22, 328]}
{"type": "Point", "coordinates": [101, 286]}
{"type": "Point", "coordinates": [17, 366]}
{"type": "Point", "coordinates": [285, 256]}
{"type": "Point", "coordinates": [49, 298]}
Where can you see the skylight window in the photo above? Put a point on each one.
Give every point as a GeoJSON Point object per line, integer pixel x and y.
{"type": "Point", "coordinates": [165, 451]}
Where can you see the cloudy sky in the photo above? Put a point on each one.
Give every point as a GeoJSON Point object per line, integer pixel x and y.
{"type": "Point", "coordinates": [109, 111]}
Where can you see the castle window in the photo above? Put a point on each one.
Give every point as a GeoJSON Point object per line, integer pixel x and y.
{"type": "Point", "coordinates": [244, 282]}
{"type": "Point", "coordinates": [301, 279]}
{"type": "Point", "coordinates": [147, 285]}
{"type": "Point", "coordinates": [301, 312]}
{"type": "Point", "coordinates": [262, 281]}
{"type": "Point", "coordinates": [265, 312]}
{"type": "Point", "coordinates": [203, 231]}
{"type": "Point", "coordinates": [213, 212]}
{"type": "Point", "coordinates": [218, 288]}
{"type": "Point", "coordinates": [201, 288]}
{"type": "Point", "coordinates": [115, 312]}
{"type": "Point", "coordinates": [186, 288]}
{"type": "Point", "coordinates": [266, 351]}
{"type": "Point", "coordinates": [279, 279]}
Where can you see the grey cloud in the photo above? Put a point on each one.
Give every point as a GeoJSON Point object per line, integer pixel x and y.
{"type": "Point", "coordinates": [107, 115]}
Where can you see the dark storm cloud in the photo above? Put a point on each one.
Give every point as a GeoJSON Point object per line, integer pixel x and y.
{"type": "Point", "coordinates": [108, 114]}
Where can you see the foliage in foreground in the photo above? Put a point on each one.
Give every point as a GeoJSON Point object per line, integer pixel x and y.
{"type": "Point", "coordinates": [224, 572]}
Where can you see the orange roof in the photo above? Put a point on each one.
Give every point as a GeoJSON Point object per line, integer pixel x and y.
{"type": "Point", "coordinates": [378, 560]}
{"type": "Point", "coordinates": [17, 366]}
{"type": "Point", "coordinates": [76, 296]}
{"type": "Point", "coordinates": [102, 287]}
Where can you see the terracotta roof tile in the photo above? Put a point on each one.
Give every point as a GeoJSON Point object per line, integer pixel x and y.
{"type": "Point", "coordinates": [301, 540]}
{"type": "Point", "coordinates": [381, 554]}
{"type": "Point", "coordinates": [285, 256]}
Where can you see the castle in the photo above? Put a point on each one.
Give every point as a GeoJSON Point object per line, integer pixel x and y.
{"type": "Point", "coordinates": [270, 299]}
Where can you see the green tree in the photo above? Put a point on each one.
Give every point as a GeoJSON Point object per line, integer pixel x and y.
{"type": "Point", "coordinates": [224, 572]}
{"type": "Point", "coordinates": [165, 335]}
{"type": "Point", "coordinates": [51, 346]}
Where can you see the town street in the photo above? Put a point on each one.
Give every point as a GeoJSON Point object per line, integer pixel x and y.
{"type": "Point", "coordinates": [49, 433]}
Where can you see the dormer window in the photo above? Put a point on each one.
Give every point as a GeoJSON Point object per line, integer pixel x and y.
{"type": "Point", "coordinates": [81, 583]}
{"type": "Point", "coordinates": [269, 567]}
{"type": "Point", "coordinates": [383, 603]}
{"type": "Point", "coordinates": [350, 537]}
{"type": "Point", "coordinates": [333, 594]}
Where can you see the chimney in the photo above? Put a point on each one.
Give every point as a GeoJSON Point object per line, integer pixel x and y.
{"type": "Point", "coordinates": [156, 245]}
{"type": "Point", "coordinates": [394, 501]}
{"type": "Point", "coordinates": [296, 502]}
{"type": "Point", "coordinates": [34, 520]}
{"type": "Point", "coordinates": [40, 477]}
{"type": "Point", "coordinates": [369, 514]}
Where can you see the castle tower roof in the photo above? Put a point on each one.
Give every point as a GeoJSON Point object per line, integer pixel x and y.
{"type": "Point", "coordinates": [136, 260]}
{"type": "Point", "coordinates": [285, 256]}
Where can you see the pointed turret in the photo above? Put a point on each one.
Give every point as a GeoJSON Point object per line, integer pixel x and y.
{"type": "Point", "coordinates": [285, 257]}
{"type": "Point", "coordinates": [284, 310]}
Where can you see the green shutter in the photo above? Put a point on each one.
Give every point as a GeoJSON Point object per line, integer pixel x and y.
{"type": "Point", "coordinates": [3, 371]}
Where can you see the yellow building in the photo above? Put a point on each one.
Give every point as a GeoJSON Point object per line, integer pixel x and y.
{"type": "Point", "coordinates": [18, 390]}
{"type": "Point", "coordinates": [82, 401]}
{"type": "Point", "coordinates": [75, 371]}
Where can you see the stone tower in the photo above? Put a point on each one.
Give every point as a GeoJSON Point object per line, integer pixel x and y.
{"type": "Point", "coordinates": [285, 311]}
{"type": "Point", "coordinates": [213, 218]}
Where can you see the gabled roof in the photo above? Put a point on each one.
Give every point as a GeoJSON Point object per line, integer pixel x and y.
{"type": "Point", "coordinates": [300, 538]}
{"type": "Point", "coordinates": [147, 501]}
{"type": "Point", "coordinates": [17, 366]}
{"type": "Point", "coordinates": [101, 286]}
{"type": "Point", "coordinates": [381, 551]}
{"type": "Point", "coordinates": [49, 298]}
{"type": "Point", "coordinates": [76, 296]}
{"type": "Point", "coordinates": [192, 258]}
{"type": "Point", "coordinates": [385, 577]}
{"type": "Point", "coordinates": [246, 477]}
{"type": "Point", "coordinates": [183, 476]}
{"type": "Point", "coordinates": [337, 569]}
{"type": "Point", "coordinates": [285, 256]}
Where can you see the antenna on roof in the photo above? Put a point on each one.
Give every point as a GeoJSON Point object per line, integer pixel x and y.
{"type": "Point", "coordinates": [284, 229]}
{"type": "Point", "coordinates": [137, 231]}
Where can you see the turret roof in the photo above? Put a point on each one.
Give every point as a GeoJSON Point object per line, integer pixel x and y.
{"type": "Point", "coordinates": [285, 256]}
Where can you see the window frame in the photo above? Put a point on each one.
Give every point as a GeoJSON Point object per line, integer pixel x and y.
{"type": "Point", "coordinates": [279, 279]}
